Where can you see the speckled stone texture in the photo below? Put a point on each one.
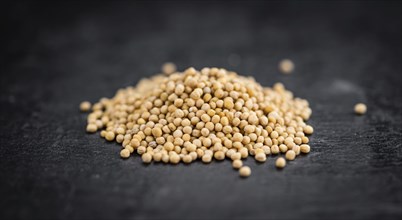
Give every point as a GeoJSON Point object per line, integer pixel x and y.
{"type": "Point", "coordinates": [56, 55]}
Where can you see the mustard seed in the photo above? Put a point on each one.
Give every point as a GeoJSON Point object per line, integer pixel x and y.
{"type": "Point", "coordinates": [92, 128]}
{"type": "Point", "coordinates": [260, 157]}
{"type": "Point", "coordinates": [360, 108]}
{"type": "Point", "coordinates": [280, 162]}
{"type": "Point", "coordinates": [85, 106]}
{"type": "Point", "coordinates": [237, 164]}
{"type": "Point", "coordinates": [305, 148]}
{"type": "Point", "coordinates": [290, 155]}
{"type": "Point", "coordinates": [245, 171]}
{"type": "Point", "coordinates": [125, 153]}
{"type": "Point", "coordinates": [168, 68]}
{"type": "Point", "coordinates": [110, 136]}
{"type": "Point", "coordinates": [308, 129]}
{"type": "Point", "coordinates": [146, 158]}
{"type": "Point", "coordinates": [206, 158]}
{"type": "Point", "coordinates": [286, 66]}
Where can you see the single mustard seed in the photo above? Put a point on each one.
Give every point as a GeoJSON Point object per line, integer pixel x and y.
{"type": "Point", "coordinates": [125, 153]}
{"type": "Point", "coordinates": [207, 158]}
{"type": "Point", "coordinates": [168, 68]}
{"type": "Point", "coordinates": [260, 157]}
{"type": "Point", "coordinates": [110, 136]}
{"type": "Point", "coordinates": [92, 128]}
{"type": "Point", "coordinates": [360, 108]}
{"type": "Point", "coordinates": [305, 148]}
{"type": "Point", "coordinates": [280, 162]}
{"type": "Point", "coordinates": [245, 171]}
{"type": "Point", "coordinates": [187, 158]}
{"type": "Point", "coordinates": [290, 155]}
{"type": "Point", "coordinates": [237, 164]}
{"type": "Point", "coordinates": [308, 129]}
{"type": "Point", "coordinates": [85, 106]}
{"type": "Point", "coordinates": [286, 66]}
{"type": "Point", "coordinates": [146, 158]}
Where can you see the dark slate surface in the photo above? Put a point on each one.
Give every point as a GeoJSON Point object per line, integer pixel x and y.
{"type": "Point", "coordinates": [55, 56]}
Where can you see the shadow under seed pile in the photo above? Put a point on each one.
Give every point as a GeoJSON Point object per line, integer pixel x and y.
{"type": "Point", "coordinates": [206, 114]}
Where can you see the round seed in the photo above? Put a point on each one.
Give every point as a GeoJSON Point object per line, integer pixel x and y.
{"type": "Point", "coordinates": [110, 136]}
{"type": "Point", "coordinates": [125, 153]}
{"type": "Point", "coordinates": [290, 155]}
{"type": "Point", "coordinates": [85, 106]}
{"type": "Point", "coordinates": [360, 108]}
{"type": "Point", "coordinates": [245, 171]}
{"type": "Point", "coordinates": [260, 157]}
{"type": "Point", "coordinates": [146, 158]}
{"type": "Point", "coordinates": [237, 164]}
{"type": "Point", "coordinates": [305, 148]}
{"type": "Point", "coordinates": [286, 66]}
{"type": "Point", "coordinates": [280, 162]}
{"type": "Point", "coordinates": [92, 128]}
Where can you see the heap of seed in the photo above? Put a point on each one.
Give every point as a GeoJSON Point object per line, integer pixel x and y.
{"type": "Point", "coordinates": [203, 115]}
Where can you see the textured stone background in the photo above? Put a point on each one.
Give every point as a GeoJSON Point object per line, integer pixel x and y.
{"type": "Point", "coordinates": [56, 55]}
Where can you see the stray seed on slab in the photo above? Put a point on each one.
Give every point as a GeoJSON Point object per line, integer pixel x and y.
{"type": "Point", "coordinates": [245, 171]}
{"type": "Point", "coordinates": [280, 162]}
{"type": "Point", "coordinates": [360, 108]}
{"type": "Point", "coordinates": [286, 66]}
{"type": "Point", "coordinates": [85, 106]}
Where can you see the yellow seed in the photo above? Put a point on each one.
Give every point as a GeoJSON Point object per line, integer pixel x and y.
{"type": "Point", "coordinates": [187, 158]}
{"type": "Point", "coordinates": [206, 158]}
{"type": "Point", "coordinates": [275, 149]}
{"type": "Point", "coordinates": [110, 136]}
{"type": "Point", "coordinates": [219, 155]}
{"type": "Point", "coordinates": [245, 171]}
{"type": "Point", "coordinates": [174, 158]}
{"type": "Point", "coordinates": [360, 108]}
{"type": "Point", "coordinates": [156, 132]}
{"type": "Point", "coordinates": [92, 128]}
{"type": "Point", "coordinates": [157, 157]}
{"type": "Point", "coordinates": [308, 129]}
{"type": "Point", "coordinates": [146, 158]}
{"type": "Point", "coordinates": [125, 153]}
{"type": "Point", "coordinates": [283, 148]}
{"type": "Point", "coordinates": [237, 164]}
{"type": "Point", "coordinates": [260, 157]}
{"type": "Point", "coordinates": [244, 152]}
{"type": "Point", "coordinates": [274, 134]}
{"type": "Point", "coordinates": [129, 148]}
{"type": "Point", "coordinates": [237, 137]}
{"type": "Point", "coordinates": [290, 155]}
{"type": "Point", "coordinates": [85, 106]}
{"type": "Point", "coordinates": [286, 66]}
{"type": "Point", "coordinates": [168, 68]}
{"type": "Point", "coordinates": [280, 162]}
{"type": "Point", "coordinates": [305, 148]}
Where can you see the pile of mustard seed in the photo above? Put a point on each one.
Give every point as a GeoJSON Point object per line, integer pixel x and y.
{"type": "Point", "coordinates": [204, 114]}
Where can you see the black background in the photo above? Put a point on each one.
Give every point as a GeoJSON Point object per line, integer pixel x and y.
{"type": "Point", "coordinates": [56, 55]}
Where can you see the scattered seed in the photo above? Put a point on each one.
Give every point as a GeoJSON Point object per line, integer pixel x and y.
{"type": "Point", "coordinates": [168, 68]}
{"type": "Point", "coordinates": [237, 164]}
{"type": "Point", "coordinates": [245, 171]}
{"type": "Point", "coordinates": [85, 106]}
{"type": "Point", "coordinates": [125, 153]}
{"type": "Point", "coordinates": [360, 108]}
{"type": "Point", "coordinates": [286, 66]}
{"type": "Point", "coordinates": [290, 155]}
{"type": "Point", "coordinates": [280, 162]}
{"type": "Point", "coordinates": [92, 128]}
